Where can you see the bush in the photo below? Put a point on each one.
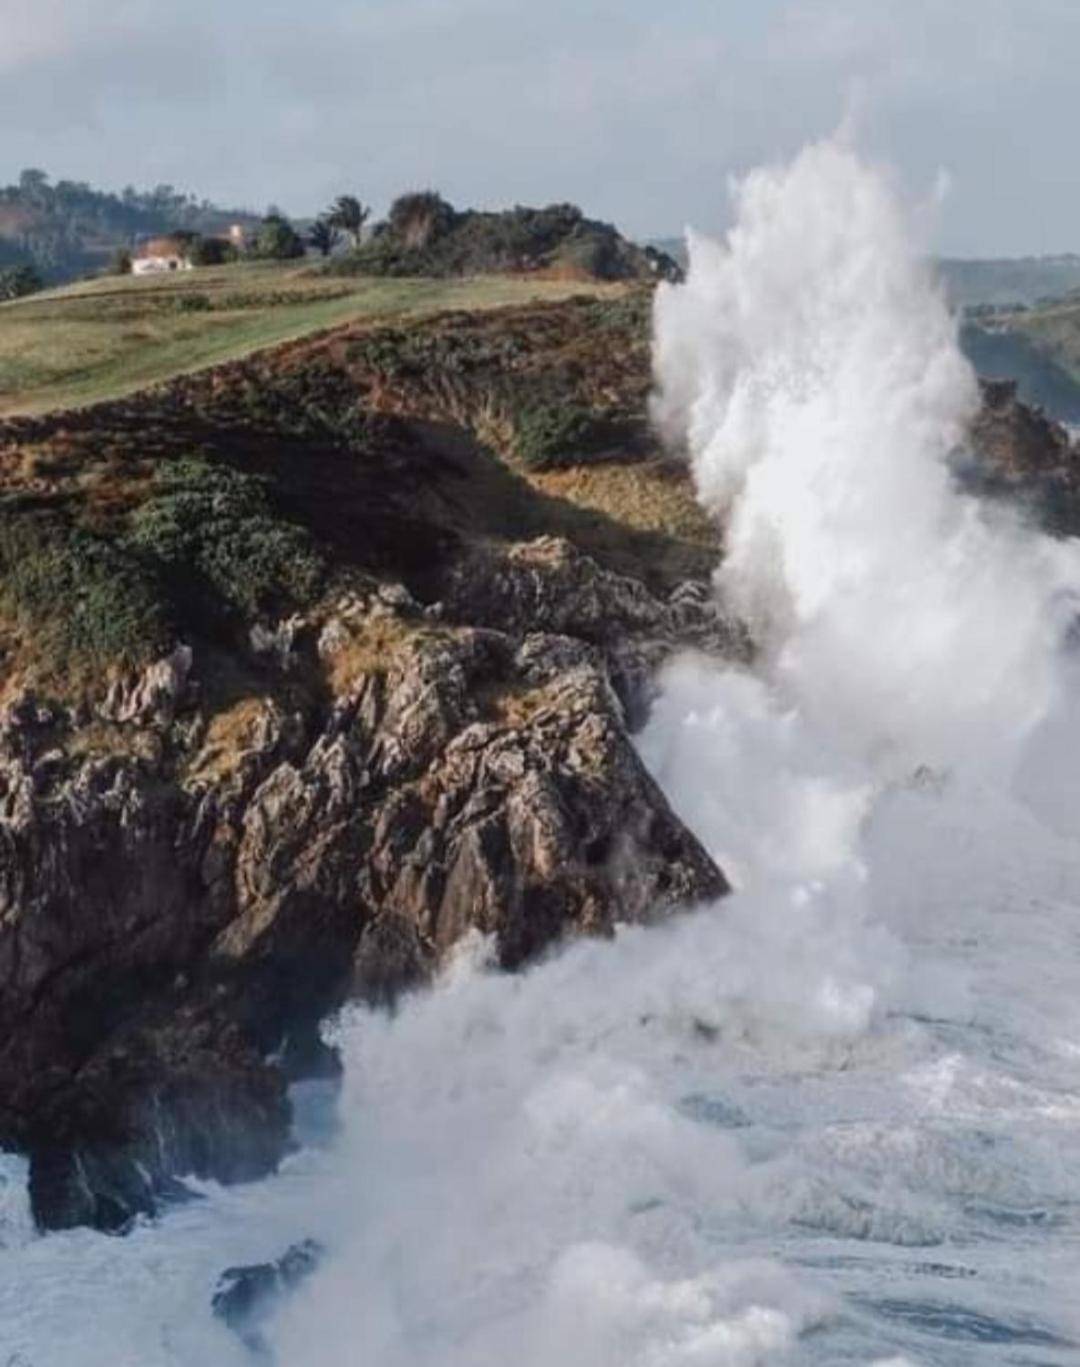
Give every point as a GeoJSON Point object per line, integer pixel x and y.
{"type": "Point", "coordinates": [549, 434]}
{"type": "Point", "coordinates": [215, 533]}
{"type": "Point", "coordinates": [420, 217]}
{"type": "Point", "coordinates": [18, 281]}
{"type": "Point", "coordinates": [212, 251]}
{"type": "Point", "coordinates": [277, 240]}
{"type": "Point", "coordinates": [592, 254]}
{"type": "Point", "coordinates": [120, 262]}
{"type": "Point", "coordinates": [86, 600]}
{"type": "Point", "coordinates": [425, 236]}
{"type": "Point", "coordinates": [193, 303]}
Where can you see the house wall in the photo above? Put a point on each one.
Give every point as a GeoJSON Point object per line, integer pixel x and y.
{"type": "Point", "coordinates": [159, 265]}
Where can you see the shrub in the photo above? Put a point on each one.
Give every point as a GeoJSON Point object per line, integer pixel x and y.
{"type": "Point", "coordinates": [593, 254]}
{"type": "Point", "coordinates": [18, 281]}
{"type": "Point", "coordinates": [420, 217]}
{"type": "Point", "coordinates": [215, 533]}
{"type": "Point", "coordinates": [277, 240]}
{"type": "Point", "coordinates": [193, 303]}
{"type": "Point", "coordinates": [548, 434]}
{"type": "Point", "coordinates": [426, 236]}
{"type": "Point", "coordinates": [211, 251]}
{"type": "Point", "coordinates": [120, 262]}
{"type": "Point", "coordinates": [323, 236]}
{"type": "Point", "coordinates": [86, 600]}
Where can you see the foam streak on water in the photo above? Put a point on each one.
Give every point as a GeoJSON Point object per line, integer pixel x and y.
{"type": "Point", "coordinates": [835, 1118]}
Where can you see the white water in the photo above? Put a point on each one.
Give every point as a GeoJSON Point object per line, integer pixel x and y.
{"type": "Point", "coordinates": [835, 1118]}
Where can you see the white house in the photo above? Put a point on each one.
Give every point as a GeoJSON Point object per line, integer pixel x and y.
{"type": "Point", "coordinates": [160, 255]}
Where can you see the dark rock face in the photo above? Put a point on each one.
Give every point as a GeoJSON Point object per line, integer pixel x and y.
{"type": "Point", "coordinates": [246, 1296]}
{"type": "Point", "coordinates": [178, 910]}
{"type": "Point", "coordinates": [1021, 453]}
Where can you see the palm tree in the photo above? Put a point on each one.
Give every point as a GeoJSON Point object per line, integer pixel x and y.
{"type": "Point", "coordinates": [348, 214]}
{"type": "Point", "coordinates": [323, 236]}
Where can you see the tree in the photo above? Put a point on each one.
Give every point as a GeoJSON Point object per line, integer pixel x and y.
{"type": "Point", "coordinates": [420, 216]}
{"type": "Point", "coordinates": [277, 239]}
{"type": "Point", "coordinates": [34, 185]}
{"type": "Point", "coordinates": [323, 236]}
{"type": "Point", "coordinates": [18, 281]}
{"type": "Point", "coordinates": [348, 214]}
{"type": "Point", "coordinates": [211, 251]}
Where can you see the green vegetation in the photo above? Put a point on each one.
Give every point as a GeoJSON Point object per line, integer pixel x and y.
{"type": "Point", "coordinates": [215, 534]}
{"type": "Point", "coordinates": [83, 600]}
{"type": "Point", "coordinates": [544, 401]}
{"type": "Point", "coordinates": [426, 236]}
{"type": "Point", "coordinates": [249, 492]}
{"type": "Point", "coordinates": [106, 338]}
{"type": "Point", "coordinates": [16, 282]}
{"type": "Point", "coordinates": [277, 240]}
{"type": "Point", "coordinates": [347, 215]}
{"type": "Point", "coordinates": [69, 229]}
{"type": "Point", "coordinates": [549, 433]}
{"type": "Point", "coordinates": [322, 237]}
{"type": "Point", "coordinates": [211, 251]}
{"type": "Point", "coordinates": [204, 549]}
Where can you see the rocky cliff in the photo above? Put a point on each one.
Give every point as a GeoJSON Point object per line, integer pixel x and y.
{"type": "Point", "coordinates": [311, 666]}
{"type": "Point", "coordinates": [294, 697]}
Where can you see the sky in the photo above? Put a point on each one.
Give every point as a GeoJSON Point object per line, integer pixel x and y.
{"type": "Point", "coordinates": [641, 112]}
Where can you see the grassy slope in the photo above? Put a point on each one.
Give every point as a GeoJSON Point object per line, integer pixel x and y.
{"type": "Point", "coordinates": [107, 338]}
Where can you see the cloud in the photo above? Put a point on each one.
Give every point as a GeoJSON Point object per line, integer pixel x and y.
{"type": "Point", "coordinates": [637, 110]}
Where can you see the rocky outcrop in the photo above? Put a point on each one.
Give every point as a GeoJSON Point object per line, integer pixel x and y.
{"type": "Point", "coordinates": [246, 1297]}
{"type": "Point", "coordinates": [1020, 452]}
{"type": "Point", "coordinates": [549, 584]}
{"type": "Point", "coordinates": [187, 889]}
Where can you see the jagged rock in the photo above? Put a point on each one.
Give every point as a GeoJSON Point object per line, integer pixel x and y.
{"type": "Point", "coordinates": [246, 1296]}
{"type": "Point", "coordinates": [168, 923]}
{"type": "Point", "coordinates": [549, 586]}
{"type": "Point", "coordinates": [151, 696]}
{"type": "Point", "coordinates": [1020, 452]}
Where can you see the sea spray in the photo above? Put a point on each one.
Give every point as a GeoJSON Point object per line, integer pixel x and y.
{"type": "Point", "coordinates": [581, 1165]}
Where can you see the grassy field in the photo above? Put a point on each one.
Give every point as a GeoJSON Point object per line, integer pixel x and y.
{"type": "Point", "coordinates": [106, 338]}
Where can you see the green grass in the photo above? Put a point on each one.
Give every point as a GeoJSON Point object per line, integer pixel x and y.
{"type": "Point", "coordinates": [107, 338]}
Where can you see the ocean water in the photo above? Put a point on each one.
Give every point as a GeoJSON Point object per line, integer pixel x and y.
{"type": "Point", "coordinates": [832, 1119]}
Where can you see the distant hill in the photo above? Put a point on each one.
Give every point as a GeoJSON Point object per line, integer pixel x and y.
{"type": "Point", "coordinates": [1023, 280]}
{"type": "Point", "coordinates": [68, 229]}
{"type": "Point", "coordinates": [978, 283]}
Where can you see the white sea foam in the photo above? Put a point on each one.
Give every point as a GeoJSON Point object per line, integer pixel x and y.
{"type": "Point", "coordinates": [833, 1119]}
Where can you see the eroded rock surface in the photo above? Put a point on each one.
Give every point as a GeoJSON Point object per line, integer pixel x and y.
{"type": "Point", "coordinates": [182, 895]}
{"type": "Point", "coordinates": [1021, 453]}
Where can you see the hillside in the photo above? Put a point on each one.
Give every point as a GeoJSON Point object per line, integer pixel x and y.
{"type": "Point", "coordinates": [105, 338]}
{"type": "Point", "coordinates": [70, 229]}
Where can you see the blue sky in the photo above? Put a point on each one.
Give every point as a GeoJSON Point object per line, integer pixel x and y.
{"type": "Point", "coordinates": [640, 112]}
